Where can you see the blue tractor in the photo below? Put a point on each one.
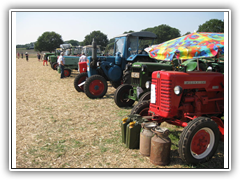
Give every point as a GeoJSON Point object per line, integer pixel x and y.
{"type": "Point", "coordinates": [128, 48]}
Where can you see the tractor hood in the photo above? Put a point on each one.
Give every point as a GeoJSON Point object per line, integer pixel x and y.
{"type": "Point", "coordinates": [100, 59]}
{"type": "Point", "coordinates": [151, 66]}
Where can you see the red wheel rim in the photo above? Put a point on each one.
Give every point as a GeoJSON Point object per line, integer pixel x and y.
{"type": "Point", "coordinates": [200, 142]}
{"type": "Point", "coordinates": [55, 66]}
{"type": "Point", "coordinates": [66, 73]}
{"type": "Point", "coordinates": [81, 80]}
{"type": "Point", "coordinates": [96, 87]}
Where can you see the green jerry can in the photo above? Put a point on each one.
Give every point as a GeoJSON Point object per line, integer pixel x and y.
{"type": "Point", "coordinates": [133, 135]}
{"type": "Point", "coordinates": [124, 123]}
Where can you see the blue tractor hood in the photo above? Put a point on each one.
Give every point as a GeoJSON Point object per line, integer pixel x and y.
{"type": "Point", "coordinates": [102, 60]}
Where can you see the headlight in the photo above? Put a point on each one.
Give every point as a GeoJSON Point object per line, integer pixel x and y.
{"type": "Point", "coordinates": [177, 90]}
{"type": "Point", "coordinates": [148, 84]}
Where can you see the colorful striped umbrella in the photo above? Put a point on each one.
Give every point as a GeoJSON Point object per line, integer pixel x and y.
{"type": "Point", "coordinates": [191, 46]}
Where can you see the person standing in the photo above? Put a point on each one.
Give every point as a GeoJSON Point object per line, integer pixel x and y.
{"type": "Point", "coordinates": [83, 58]}
{"type": "Point", "coordinates": [22, 55]}
{"type": "Point", "coordinates": [61, 63]}
{"type": "Point", "coordinates": [39, 57]}
{"type": "Point", "coordinates": [26, 56]}
{"type": "Point", "coordinates": [18, 55]}
{"type": "Point", "coordinates": [45, 60]}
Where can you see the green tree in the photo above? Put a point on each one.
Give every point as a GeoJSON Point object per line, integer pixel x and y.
{"type": "Point", "coordinates": [164, 33]}
{"type": "Point", "coordinates": [48, 41]}
{"type": "Point", "coordinates": [128, 32]}
{"type": "Point", "coordinates": [213, 25]}
{"type": "Point", "coordinates": [72, 42]}
{"type": "Point", "coordinates": [187, 33]}
{"type": "Point", "coordinates": [100, 38]}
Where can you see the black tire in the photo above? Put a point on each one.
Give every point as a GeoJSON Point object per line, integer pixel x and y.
{"type": "Point", "coordinates": [78, 80]}
{"type": "Point", "coordinates": [67, 72]}
{"type": "Point", "coordinates": [95, 87]}
{"type": "Point", "coordinates": [205, 142]}
{"type": "Point", "coordinates": [145, 97]}
{"type": "Point", "coordinates": [54, 66]}
{"type": "Point", "coordinates": [121, 96]}
{"type": "Point", "coordinates": [141, 108]}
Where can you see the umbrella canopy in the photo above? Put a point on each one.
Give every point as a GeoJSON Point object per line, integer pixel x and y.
{"type": "Point", "coordinates": [194, 45]}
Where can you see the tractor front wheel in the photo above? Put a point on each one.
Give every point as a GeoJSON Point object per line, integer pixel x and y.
{"type": "Point", "coordinates": [199, 140]}
{"type": "Point", "coordinates": [54, 66]}
{"type": "Point", "coordinates": [145, 97]}
{"type": "Point", "coordinates": [121, 96]}
{"type": "Point", "coordinates": [141, 108]}
{"type": "Point", "coordinates": [95, 87]}
{"type": "Point", "coordinates": [80, 79]}
{"type": "Point", "coordinates": [67, 72]}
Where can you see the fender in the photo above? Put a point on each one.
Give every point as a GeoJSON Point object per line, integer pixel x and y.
{"type": "Point", "coordinates": [90, 71]}
{"type": "Point", "coordinates": [191, 64]}
{"type": "Point", "coordinates": [220, 126]}
{"type": "Point", "coordinates": [112, 71]}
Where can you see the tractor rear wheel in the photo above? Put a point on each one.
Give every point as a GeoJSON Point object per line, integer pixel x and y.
{"type": "Point", "coordinates": [199, 140]}
{"type": "Point", "coordinates": [78, 80]}
{"type": "Point", "coordinates": [95, 87]}
{"type": "Point", "coordinates": [141, 108]}
{"type": "Point", "coordinates": [121, 96]}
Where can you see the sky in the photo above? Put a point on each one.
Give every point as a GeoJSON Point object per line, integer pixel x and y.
{"type": "Point", "coordinates": [75, 25]}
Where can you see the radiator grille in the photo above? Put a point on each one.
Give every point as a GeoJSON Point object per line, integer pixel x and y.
{"type": "Point", "coordinates": [136, 81]}
{"type": "Point", "coordinates": [165, 95]}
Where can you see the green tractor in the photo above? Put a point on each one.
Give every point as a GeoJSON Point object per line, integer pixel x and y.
{"type": "Point", "coordinates": [48, 55]}
{"type": "Point", "coordinates": [126, 94]}
{"type": "Point", "coordinates": [53, 58]}
{"type": "Point", "coordinates": [141, 73]}
{"type": "Point", "coordinates": [71, 56]}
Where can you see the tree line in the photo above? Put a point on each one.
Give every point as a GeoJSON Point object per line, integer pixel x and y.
{"type": "Point", "coordinates": [49, 41]}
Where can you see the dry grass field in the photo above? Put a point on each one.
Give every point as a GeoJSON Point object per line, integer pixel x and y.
{"type": "Point", "coordinates": [58, 127]}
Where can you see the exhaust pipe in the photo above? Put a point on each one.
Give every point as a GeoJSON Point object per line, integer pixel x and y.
{"type": "Point", "coordinates": [94, 54]}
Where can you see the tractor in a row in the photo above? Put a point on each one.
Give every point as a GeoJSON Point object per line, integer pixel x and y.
{"type": "Point", "coordinates": [128, 48]}
{"type": "Point", "coordinates": [193, 100]}
{"type": "Point", "coordinates": [141, 74]}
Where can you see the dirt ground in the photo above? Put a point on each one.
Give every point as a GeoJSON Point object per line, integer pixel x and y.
{"type": "Point", "coordinates": [58, 127]}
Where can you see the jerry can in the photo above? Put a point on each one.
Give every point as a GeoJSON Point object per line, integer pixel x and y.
{"type": "Point", "coordinates": [124, 123]}
{"type": "Point", "coordinates": [160, 147]}
{"type": "Point", "coordinates": [145, 137]}
{"type": "Point", "coordinates": [133, 135]}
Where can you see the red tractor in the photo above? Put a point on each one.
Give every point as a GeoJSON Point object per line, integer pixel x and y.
{"type": "Point", "coordinates": [193, 100]}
